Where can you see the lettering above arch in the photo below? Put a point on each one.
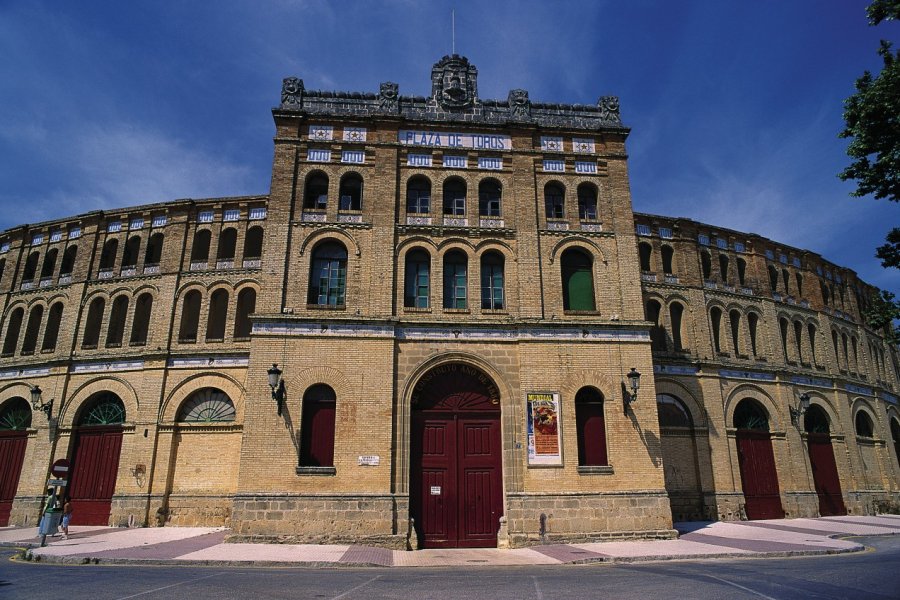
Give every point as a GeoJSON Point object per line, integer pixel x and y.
{"type": "Point", "coordinates": [326, 232]}
{"type": "Point", "coordinates": [466, 358]}
{"type": "Point", "coordinates": [455, 387]}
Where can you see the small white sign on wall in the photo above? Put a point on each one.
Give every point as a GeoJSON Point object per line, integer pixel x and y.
{"type": "Point", "coordinates": [435, 490]}
{"type": "Point", "coordinates": [370, 461]}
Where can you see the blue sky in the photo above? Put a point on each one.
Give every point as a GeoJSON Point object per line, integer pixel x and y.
{"type": "Point", "coordinates": [734, 107]}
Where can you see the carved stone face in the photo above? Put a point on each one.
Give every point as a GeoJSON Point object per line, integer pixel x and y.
{"type": "Point", "coordinates": [389, 90]}
{"type": "Point", "coordinates": [291, 85]}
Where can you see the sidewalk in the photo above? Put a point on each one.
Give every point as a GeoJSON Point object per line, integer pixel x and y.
{"type": "Point", "coordinates": [205, 546]}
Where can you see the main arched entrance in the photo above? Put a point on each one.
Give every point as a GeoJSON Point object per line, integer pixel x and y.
{"type": "Point", "coordinates": [95, 459]}
{"type": "Point", "coordinates": [15, 419]}
{"type": "Point", "coordinates": [757, 461]}
{"type": "Point", "coordinates": [821, 459]}
{"type": "Point", "coordinates": [456, 478]}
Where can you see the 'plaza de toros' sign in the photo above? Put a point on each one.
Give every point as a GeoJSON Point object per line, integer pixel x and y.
{"type": "Point", "coordinates": [444, 139]}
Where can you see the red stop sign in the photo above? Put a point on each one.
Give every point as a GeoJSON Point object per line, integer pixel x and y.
{"type": "Point", "coordinates": [60, 468]}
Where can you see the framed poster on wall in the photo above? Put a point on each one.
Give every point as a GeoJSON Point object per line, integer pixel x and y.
{"type": "Point", "coordinates": [542, 415]}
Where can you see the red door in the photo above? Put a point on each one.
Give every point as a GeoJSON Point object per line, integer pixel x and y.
{"type": "Point", "coordinates": [456, 477]}
{"type": "Point", "coordinates": [825, 475]}
{"type": "Point", "coordinates": [12, 455]}
{"type": "Point", "coordinates": [94, 469]}
{"type": "Point", "coordinates": [758, 476]}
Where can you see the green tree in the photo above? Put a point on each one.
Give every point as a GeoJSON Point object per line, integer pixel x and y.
{"type": "Point", "coordinates": [881, 314]}
{"type": "Point", "coordinates": [872, 118]}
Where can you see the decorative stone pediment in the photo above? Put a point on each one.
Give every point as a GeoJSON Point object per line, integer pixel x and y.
{"type": "Point", "coordinates": [388, 97]}
{"type": "Point", "coordinates": [519, 104]}
{"type": "Point", "coordinates": [454, 83]}
{"type": "Point", "coordinates": [292, 93]}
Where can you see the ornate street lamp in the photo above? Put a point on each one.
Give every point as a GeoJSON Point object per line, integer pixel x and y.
{"type": "Point", "coordinates": [37, 403]}
{"type": "Point", "coordinates": [798, 412]}
{"type": "Point", "coordinates": [277, 385]}
{"type": "Point", "coordinates": [634, 384]}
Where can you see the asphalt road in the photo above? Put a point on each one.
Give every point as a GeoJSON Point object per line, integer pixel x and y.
{"type": "Point", "coordinates": [873, 574]}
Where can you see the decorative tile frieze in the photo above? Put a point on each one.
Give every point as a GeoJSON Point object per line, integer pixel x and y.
{"type": "Point", "coordinates": [100, 367]}
{"type": "Point", "coordinates": [583, 145]}
{"type": "Point", "coordinates": [551, 143]}
{"type": "Point", "coordinates": [811, 381]}
{"type": "Point", "coordinates": [355, 134]}
{"type": "Point", "coordinates": [21, 373]}
{"type": "Point", "coordinates": [735, 374]}
{"type": "Point", "coordinates": [198, 362]}
{"type": "Point", "coordinates": [859, 389]}
{"type": "Point", "coordinates": [675, 370]}
{"type": "Point", "coordinates": [321, 132]}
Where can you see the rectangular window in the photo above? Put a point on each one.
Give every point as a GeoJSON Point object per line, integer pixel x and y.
{"type": "Point", "coordinates": [231, 214]}
{"type": "Point", "coordinates": [205, 216]}
{"type": "Point", "coordinates": [355, 134]}
{"type": "Point", "coordinates": [74, 233]}
{"type": "Point", "coordinates": [136, 223]}
{"type": "Point", "coordinates": [258, 213]}
{"type": "Point", "coordinates": [739, 247]}
{"type": "Point", "coordinates": [114, 226]}
{"type": "Point", "coordinates": [490, 162]}
{"type": "Point", "coordinates": [723, 244]}
{"type": "Point", "coordinates": [665, 233]}
{"type": "Point", "coordinates": [55, 236]}
{"type": "Point", "coordinates": [37, 238]}
{"type": "Point", "coordinates": [551, 143]}
{"type": "Point", "coordinates": [4, 247]}
{"type": "Point", "coordinates": [353, 156]}
{"type": "Point", "coordinates": [555, 166]}
{"type": "Point", "coordinates": [159, 221]}
{"type": "Point", "coordinates": [456, 162]}
{"type": "Point", "coordinates": [583, 145]}
{"type": "Point", "coordinates": [828, 275]}
{"type": "Point", "coordinates": [491, 287]}
{"type": "Point", "coordinates": [770, 255]}
{"type": "Point", "coordinates": [795, 261]}
{"type": "Point", "coordinates": [589, 168]}
{"type": "Point", "coordinates": [703, 240]}
{"type": "Point", "coordinates": [782, 258]}
{"type": "Point", "coordinates": [819, 270]}
{"type": "Point", "coordinates": [418, 160]}
{"type": "Point", "coordinates": [643, 229]}
{"type": "Point", "coordinates": [318, 155]}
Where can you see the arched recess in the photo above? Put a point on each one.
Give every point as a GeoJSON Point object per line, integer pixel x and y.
{"type": "Point", "coordinates": [756, 460]}
{"type": "Point", "coordinates": [685, 453]}
{"type": "Point", "coordinates": [895, 434]}
{"type": "Point", "coordinates": [816, 424]}
{"type": "Point", "coordinates": [96, 447]}
{"type": "Point", "coordinates": [868, 438]}
{"type": "Point", "coordinates": [456, 461]}
{"type": "Point", "coordinates": [15, 420]}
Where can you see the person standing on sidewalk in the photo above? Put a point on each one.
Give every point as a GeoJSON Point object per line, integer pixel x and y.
{"type": "Point", "coordinates": [67, 516]}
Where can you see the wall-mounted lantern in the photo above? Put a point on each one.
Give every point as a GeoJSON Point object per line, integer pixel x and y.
{"type": "Point", "coordinates": [277, 385]}
{"type": "Point", "coordinates": [798, 412]}
{"type": "Point", "coordinates": [634, 384]}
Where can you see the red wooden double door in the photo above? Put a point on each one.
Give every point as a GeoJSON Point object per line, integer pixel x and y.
{"type": "Point", "coordinates": [12, 455]}
{"type": "Point", "coordinates": [95, 464]}
{"type": "Point", "coordinates": [758, 475]}
{"type": "Point", "coordinates": [825, 475]}
{"type": "Point", "coordinates": [456, 479]}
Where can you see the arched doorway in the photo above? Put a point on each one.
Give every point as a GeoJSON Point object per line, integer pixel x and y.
{"type": "Point", "coordinates": [95, 459]}
{"type": "Point", "coordinates": [456, 478]}
{"type": "Point", "coordinates": [15, 419]}
{"type": "Point", "coordinates": [680, 456]}
{"type": "Point", "coordinates": [821, 459]}
{"type": "Point", "coordinates": [757, 461]}
{"type": "Point", "coordinates": [895, 437]}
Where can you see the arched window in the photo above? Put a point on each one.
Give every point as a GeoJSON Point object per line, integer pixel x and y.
{"type": "Point", "coordinates": [489, 195]}
{"type": "Point", "coordinates": [2, 268]}
{"type": "Point", "coordinates": [798, 339]}
{"type": "Point", "coordinates": [103, 408]}
{"type": "Point", "coordinates": [15, 416]}
{"type": "Point", "coordinates": [676, 312]}
{"type": "Point", "coordinates": [715, 316]}
{"type": "Point", "coordinates": [492, 295]}
{"type": "Point", "coordinates": [315, 196]}
{"type": "Point", "coordinates": [31, 264]}
{"type": "Point", "coordinates": [246, 306]}
{"type": "Point", "coordinates": [253, 243]}
{"type": "Point", "coordinates": [94, 320]}
{"type": "Point", "coordinates": [742, 271]}
{"type": "Point", "coordinates": [455, 197]}
{"type": "Point", "coordinates": [799, 278]}
{"type": "Point", "coordinates": [855, 355]}
{"type": "Point", "coordinates": [418, 195]}
{"type": "Point", "coordinates": [667, 253]}
{"type": "Point", "coordinates": [140, 325]}
{"type": "Point", "coordinates": [590, 428]}
{"type": "Point", "coordinates": [723, 267]}
{"type": "Point", "coordinates": [864, 426]}
{"type": "Point", "coordinates": [218, 312]}
{"type": "Point", "coordinates": [227, 245]}
{"type": "Point", "coordinates": [576, 266]}
{"type": "Point", "coordinates": [68, 261]}
{"type": "Point", "coordinates": [108, 254]}
{"type": "Point", "coordinates": [752, 322]}
{"type": "Point", "coordinates": [455, 279]}
{"type": "Point", "coordinates": [734, 318]}
{"type": "Point", "coordinates": [587, 202]}
{"type": "Point", "coordinates": [417, 279]}
{"type": "Point", "coordinates": [672, 412]}
{"type": "Point", "coordinates": [328, 275]}
{"type": "Point", "coordinates": [200, 247]}
{"type": "Point", "coordinates": [657, 333]}
{"type": "Point", "coordinates": [131, 252]}
{"type": "Point", "coordinates": [351, 192]}
{"type": "Point", "coordinates": [845, 347]}
{"type": "Point", "coordinates": [783, 325]}
{"type": "Point", "coordinates": [773, 278]}
{"type": "Point", "coordinates": [749, 414]}
{"type": "Point", "coordinates": [645, 251]}
{"type": "Point", "coordinates": [190, 317]}
{"type": "Point", "coordinates": [815, 420]}
{"type": "Point", "coordinates": [554, 201]}
{"type": "Point", "coordinates": [706, 265]}
{"type": "Point", "coordinates": [116, 329]}
{"type": "Point", "coordinates": [895, 437]}
{"type": "Point", "coordinates": [786, 279]}
{"type": "Point", "coordinates": [153, 256]}
{"type": "Point", "coordinates": [32, 329]}
{"type": "Point", "coordinates": [51, 333]}
{"type": "Point", "coordinates": [825, 293]}
{"type": "Point", "coordinates": [317, 427]}
{"type": "Point", "coordinates": [49, 265]}
{"type": "Point", "coordinates": [207, 405]}
{"type": "Point", "coordinates": [13, 328]}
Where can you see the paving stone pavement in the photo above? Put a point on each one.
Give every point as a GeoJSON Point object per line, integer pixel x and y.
{"type": "Point", "coordinates": [206, 545]}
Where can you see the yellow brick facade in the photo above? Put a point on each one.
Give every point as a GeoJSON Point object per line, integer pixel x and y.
{"type": "Point", "coordinates": [229, 264]}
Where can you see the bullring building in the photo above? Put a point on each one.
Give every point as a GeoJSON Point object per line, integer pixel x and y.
{"type": "Point", "coordinates": [444, 326]}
